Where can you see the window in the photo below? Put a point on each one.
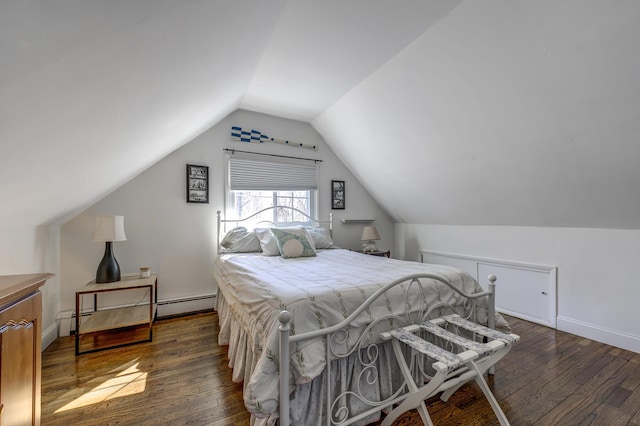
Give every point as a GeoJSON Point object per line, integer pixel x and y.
{"type": "Point", "coordinates": [254, 184]}
{"type": "Point", "coordinates": [245, 203]}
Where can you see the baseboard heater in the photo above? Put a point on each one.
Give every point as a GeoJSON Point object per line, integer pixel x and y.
{"type": "Point", "coordinates": [182, 305]}
{"type": "Point", "coordinates": [523, 290]}
{"type": "Point", "coordinates": [186, 299]}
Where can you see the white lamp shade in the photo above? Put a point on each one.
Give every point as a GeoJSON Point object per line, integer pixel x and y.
{"type": "Point", "coordinates": [369, 233]}
{"type": "Point", "coordinates": [109, 228]}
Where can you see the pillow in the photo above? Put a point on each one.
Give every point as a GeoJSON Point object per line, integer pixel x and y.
{"type": "Point", "coordinates": [268, 243]}
{"type": "Point", "coordinates": [294, 242]}
{"type": "Point", "coordinates": [321, 238]}
{"type": "Point", "coordinates": [239, 240]}
{"type": "Point", "coordinates": [231, 235]}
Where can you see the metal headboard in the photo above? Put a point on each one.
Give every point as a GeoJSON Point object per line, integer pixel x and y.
{"type": "Point", "coordinates": [238, 222]}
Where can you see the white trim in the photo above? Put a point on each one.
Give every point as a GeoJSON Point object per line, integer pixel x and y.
{"type": "Point", "coordinates": [519, 265]}
{"type": "Point", "coordinates": [49, 335]}
{"type": "Point", "coordinates": [600, 334]}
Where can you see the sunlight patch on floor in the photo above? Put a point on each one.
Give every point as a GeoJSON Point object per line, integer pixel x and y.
{"type": "Point", "coordinates": [129, 380]}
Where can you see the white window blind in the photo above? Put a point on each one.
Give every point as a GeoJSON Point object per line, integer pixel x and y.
{"type": "Point", "coordinates": [251, 174]}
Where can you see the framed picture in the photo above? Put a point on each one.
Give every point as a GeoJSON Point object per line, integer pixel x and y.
{"type": "Point", "coordinates": [197, 184]}
{"type": "Point", "coordinates": [337, 194]}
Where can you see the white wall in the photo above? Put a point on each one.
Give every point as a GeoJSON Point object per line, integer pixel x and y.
{"type": "Point", "coordinates": [530, 105]}
{"type": "Point", "coordinates": [598, 289]}
{"type": "Point", "coordinates": [30, 250]}
{"type": "Point", "coordinates": [21, 249]}
{"type": "Point", "coordinates": [177, 239]}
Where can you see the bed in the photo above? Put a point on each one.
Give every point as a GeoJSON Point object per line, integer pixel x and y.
{"type": "Point", "coordinates": [324, 312]}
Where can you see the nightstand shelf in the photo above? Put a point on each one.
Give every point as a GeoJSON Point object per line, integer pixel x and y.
{"type": "Point", "coordinates": [103, 320]}
{"type": "Point", "coordinates": [110, 319]}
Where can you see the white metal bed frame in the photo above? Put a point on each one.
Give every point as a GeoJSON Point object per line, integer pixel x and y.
{"type": "Point", "coordinates": [336, 408]}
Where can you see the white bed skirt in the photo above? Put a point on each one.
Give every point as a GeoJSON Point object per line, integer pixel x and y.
{"type": "Point", "coordinates": [307, 402]}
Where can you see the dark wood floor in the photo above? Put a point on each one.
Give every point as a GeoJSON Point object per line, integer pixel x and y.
{"type": "Point", "coordinates": [548, 378]}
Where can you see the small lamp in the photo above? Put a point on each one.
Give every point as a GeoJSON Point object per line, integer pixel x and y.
{"type": "Point", "coordinates": [108, 229]}
{"type": "Point", "coordinates": [369, 236]}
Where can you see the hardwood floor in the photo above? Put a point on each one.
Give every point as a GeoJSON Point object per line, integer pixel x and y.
{"type": "Point", "coordinates": [182, 377]}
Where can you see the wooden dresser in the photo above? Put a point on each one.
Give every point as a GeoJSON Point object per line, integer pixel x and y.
{"type": "Point", "coordinates": [20, 348]}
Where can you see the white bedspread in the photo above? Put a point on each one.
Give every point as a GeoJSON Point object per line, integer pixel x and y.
{"type": "Point", "coordinates": [318, 292]}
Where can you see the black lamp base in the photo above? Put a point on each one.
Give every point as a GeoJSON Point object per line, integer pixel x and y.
{"type": "Point", "coordinates": [108, 270]}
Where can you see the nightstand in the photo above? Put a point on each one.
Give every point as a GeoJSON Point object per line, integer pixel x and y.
{"type": "Point", "coordinates": [141, 312]}
{"type": "Point", "coordinates": [380, 253]}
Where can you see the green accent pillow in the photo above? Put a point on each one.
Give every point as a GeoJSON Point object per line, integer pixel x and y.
{"type": "Point", "coordinates": [294, 242]}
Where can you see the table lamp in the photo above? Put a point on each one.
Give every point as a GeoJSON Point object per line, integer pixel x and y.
{"type": "Point", "coordinates": [369, 236]}
{"type": "Point", "coordinates": [108, 229]}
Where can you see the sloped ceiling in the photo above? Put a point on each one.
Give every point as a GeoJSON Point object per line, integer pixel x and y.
{"type": "Point", "coordinates": [451, 112]}
{"type": "Point", "coordinates": [94, 92]}
{"type": "Point", "coordinates": [504, 113]}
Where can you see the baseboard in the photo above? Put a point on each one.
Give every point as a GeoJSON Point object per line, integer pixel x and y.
{"type": "Point", "coordinates": [599, 334]}
{"type": "Point", "coordinates": [49, 335]}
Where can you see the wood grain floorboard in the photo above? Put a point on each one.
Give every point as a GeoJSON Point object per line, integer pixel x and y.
{"type": "Point", "coordinates": [183, 378]}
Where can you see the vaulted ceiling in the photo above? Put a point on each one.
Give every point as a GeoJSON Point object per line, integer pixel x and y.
{"type": "Point", "coordinates": [449, 112]}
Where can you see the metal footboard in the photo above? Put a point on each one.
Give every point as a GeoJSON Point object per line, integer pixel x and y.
{"type": "Point", "coordinates": [341, 342]}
